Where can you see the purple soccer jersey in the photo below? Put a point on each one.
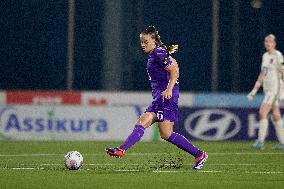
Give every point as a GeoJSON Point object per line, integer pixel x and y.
{"type": "Point", "coordinates": [166, 110]}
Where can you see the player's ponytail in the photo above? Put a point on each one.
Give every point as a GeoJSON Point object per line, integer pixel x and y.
{"type": "Point", "coordinates": [155, 35]}
{"type": "Point", "coordinates": [172, 49]}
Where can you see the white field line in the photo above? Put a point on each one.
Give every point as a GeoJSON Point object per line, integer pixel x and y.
{"type": "Point", "coordinates": [168, 171]}
{"type": "Point", "coordinates": [217, 164]}
{"type": "Point", "coordinates": [91, 164]}
{"type": "Point", "coordinates": [26, 168]}
{"type": "Point", "coordinates": [23, 168]}
{"type": "Point", "coordinates": [28, 155]}
{"type": "Point", "coordinates": [127, 170]}
{"type": "Point", "coordinates": [264, 172]}
{"type": "Point", "coordinates": [248, 153]}
{"type": "Point", "coordinates": [213, 153]}
{"type": "Point", "coordinates": [136, 164]}
{"type": "Point", "coordinates": [161, 171]}
{"type": "Point", "coordinates": [239, 164]}
{"type": "Point", "coordinates": [145, 154]}
{"type": "Point", "coordinates": [212, 171]}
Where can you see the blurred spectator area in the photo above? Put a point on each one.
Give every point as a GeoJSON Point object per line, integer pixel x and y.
{"type": "Point", "coordinates": [107, 54]}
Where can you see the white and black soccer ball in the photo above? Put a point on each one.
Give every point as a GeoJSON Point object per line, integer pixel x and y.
{"type": "Point", "coordinates": [73, 160]}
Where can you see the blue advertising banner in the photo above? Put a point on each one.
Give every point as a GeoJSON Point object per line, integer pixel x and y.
{"type": "Point", "coordinates": [216, 124]}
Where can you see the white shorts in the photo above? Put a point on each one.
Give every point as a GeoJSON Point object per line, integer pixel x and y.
{"type": "Point", "coordinates": [271, 99]}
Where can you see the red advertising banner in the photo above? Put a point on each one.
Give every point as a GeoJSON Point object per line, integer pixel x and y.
{"type": "Point", "coordinates": [43, 97]}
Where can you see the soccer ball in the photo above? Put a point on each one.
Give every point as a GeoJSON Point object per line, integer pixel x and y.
{"type": "Point", "coordinates": [73, 160]}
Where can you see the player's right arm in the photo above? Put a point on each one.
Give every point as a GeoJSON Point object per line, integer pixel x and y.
{"type": "Point", "coordinates": [256, 87]}
{"type": "Point", "coordinates": [258, 82]}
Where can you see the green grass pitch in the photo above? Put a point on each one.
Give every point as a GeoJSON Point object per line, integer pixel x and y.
{"type": "Point", "coordinates": [26, 164]}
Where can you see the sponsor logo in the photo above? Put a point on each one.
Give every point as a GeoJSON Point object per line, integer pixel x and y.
{"type": "Point", "coordinates": [212, 124]}
{"type": "Point", "coordinates": [13, 121]}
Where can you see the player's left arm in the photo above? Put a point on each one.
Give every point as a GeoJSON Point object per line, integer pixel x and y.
{"type": "Point", "coordinates": [281, 62]}
{"type": "Point", "coordinates": [173, 69]}
{"type": "Point", "coordinates": [282, 74]}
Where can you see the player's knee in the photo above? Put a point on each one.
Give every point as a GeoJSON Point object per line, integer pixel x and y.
{"type": "Point", "coordinates": [165, 135]}
{"type": "Point", "coordinates": [263, 114]}
{"type": "Point", "coordinates": [276, 117]}
{"type": "Point", "coordinates": [144, 124]}
{"type": "Point", "coordinates": [145, 120]}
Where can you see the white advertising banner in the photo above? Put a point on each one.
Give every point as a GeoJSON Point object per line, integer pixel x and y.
{"type": "Point", "coordinates": [116, 98]}
{"type": "Point", "coordinates": [31, 122]}
{"type": "Point", "coordinates": [2, 97]}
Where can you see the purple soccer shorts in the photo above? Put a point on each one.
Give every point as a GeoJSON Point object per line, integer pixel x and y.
{"type": "Point", "coordinates": [165, 109]}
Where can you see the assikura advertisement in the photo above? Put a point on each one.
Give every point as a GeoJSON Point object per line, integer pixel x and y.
{"type": "Point", "coordinates": [32, 122]}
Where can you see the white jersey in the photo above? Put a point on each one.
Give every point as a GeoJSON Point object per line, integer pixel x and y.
{"type": "Point", "coordinates": [272, 64]}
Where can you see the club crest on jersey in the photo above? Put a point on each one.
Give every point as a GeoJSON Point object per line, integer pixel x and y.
{"type": "Point", "coordinates": [166, 60]}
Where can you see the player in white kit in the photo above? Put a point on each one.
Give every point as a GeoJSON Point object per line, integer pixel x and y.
{"type": "Point", "coordinates": [270, 77]}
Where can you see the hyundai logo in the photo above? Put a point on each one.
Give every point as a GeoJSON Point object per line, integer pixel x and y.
{"type": "Point", "coordinates": [212, 124]}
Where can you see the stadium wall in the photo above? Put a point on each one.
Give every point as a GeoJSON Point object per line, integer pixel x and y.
{"type": "Point", "coordinates": [59, 115]}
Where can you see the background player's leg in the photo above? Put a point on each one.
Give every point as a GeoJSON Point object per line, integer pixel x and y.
{"type": "Point", "coordinates": [262, 132]}
{"type": "Point", "coordinates": [278, 125]}
{"type": "Point", "coordinates": [263, 125]}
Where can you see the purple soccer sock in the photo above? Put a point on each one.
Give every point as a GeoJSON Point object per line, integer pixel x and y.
{"type": "Point", "coordinates": [182, 143]}
{"type": "Point", "coordinates": [133, 138]}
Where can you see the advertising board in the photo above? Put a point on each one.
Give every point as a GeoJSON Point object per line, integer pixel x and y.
{"type": "Point", "coordinates": [216, 124]}
{"type": "Point", "coordinates": [30, 122]}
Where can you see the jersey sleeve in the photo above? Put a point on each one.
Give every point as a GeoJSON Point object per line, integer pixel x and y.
{"type": "Point", "coordinates": [163, 57]}
{"type": "Point", "coordinates": [262, 62]}
{"type": "Point", "coordinates": [280, 60]}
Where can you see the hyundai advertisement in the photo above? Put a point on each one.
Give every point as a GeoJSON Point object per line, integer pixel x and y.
{"type": "Point", "coordinates": [217, 124]}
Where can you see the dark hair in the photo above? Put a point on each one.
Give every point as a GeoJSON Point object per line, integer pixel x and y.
{"type": "Point", "coordinates": [151, 30]}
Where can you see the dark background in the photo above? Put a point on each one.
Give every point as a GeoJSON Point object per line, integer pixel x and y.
{"type": "Point", "coordinates": [33, 42]}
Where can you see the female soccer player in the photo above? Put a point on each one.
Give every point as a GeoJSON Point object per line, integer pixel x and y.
{"type": "Point", "coordinates": [272, 73]}
{"type": "Point", "coordinates": [163, 74]}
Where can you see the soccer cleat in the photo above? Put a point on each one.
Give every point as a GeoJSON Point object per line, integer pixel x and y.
{"type": "Point", "coordinates": [258, 145]}
{"type": "Point", "coordinates": [280, 146]}
{"type": "Point", "coordinates": [115, 152]}
{"type": "Point", "coordinates": [200, 160]}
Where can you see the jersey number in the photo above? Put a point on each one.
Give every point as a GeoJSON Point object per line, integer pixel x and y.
{"type": "Point", "coordinates": [149, 75]}
{"type": "Point", "coordinates": [160, 115]}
